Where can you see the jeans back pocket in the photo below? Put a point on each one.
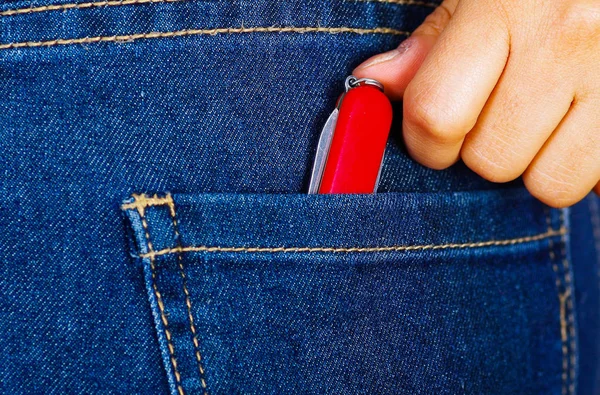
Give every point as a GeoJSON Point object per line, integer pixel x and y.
{"type": "Point", "coordinates": [386, 293]}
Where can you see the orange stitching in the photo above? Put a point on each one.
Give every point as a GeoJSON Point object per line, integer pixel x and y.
{"type": "Point", "coordinates": [143, 201]}
{"type": "Point", "coordinates": [196, 32]}
{"type": "Point", "coordinates": [569, 304]}
{"type": "Point", "coordinates": [161, 306]}
{"type": "Point", "coordinates": [563, 297]}
{"type": "Point", "coordinates": [188, 302]}
{"type": "Point", "coordinates": [404, 2]}
{"type": "Point", "coordinates": [140, 202]}
{"type": "Point", "coordinates": [561, 305]}
{"type": "Point", "coordinates": [109, 3]}
{"type": "Point", "coordinates": [490, 243]}
{"type": "Point", "coordinates": [70, 6]}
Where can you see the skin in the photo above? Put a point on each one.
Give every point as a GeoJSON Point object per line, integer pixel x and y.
{"type": "Point", "coordinates": [510, 87]}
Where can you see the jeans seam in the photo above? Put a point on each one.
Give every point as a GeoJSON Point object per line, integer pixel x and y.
{"type": "Point", "coordinates": [203, 32]}
{"type": "Point", "coordinates": [71, 6]}
{"type": "Point", "coordinates": [141, 210]}
{"type": "Point", "coordinates": [401, 2]}
{"type": "Point", "coordinates": [394, 248]}
{"type": "Point", "coordinates": [570, 314]}
{"type": "Point", "coordinates": [172, 210]}
{"type": "Point", "coordinates": [563, 279]}
{"type": "Point", "coordinates": [566, 317]}
{"type": "Point", "coordinates": [142, 201]}
{"type": "Point", "coordinates": [113, 3]}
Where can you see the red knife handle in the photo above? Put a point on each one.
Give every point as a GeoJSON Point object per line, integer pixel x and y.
{"type": "Point", "coordinates": [358, 143]}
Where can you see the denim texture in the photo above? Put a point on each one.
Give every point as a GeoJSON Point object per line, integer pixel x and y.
{"type": "Point", "coordinates": [353, 294]}
{"type": "Point", "coordinates": [98, 102]}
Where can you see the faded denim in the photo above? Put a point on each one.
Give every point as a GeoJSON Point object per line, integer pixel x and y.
{"type": "Point", "coordinates": [220, 275]}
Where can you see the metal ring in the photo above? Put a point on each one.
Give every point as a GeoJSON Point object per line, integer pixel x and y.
{"type": "Point", "coordinates": [349, 83]}
{"type": "Point", "coordinates": [353, 82]}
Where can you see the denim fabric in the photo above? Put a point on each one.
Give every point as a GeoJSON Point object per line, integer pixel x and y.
{"type": "Point", "coordinates": [99, 101]}
{"type": "Point", "coordinates": [585, 256]}
{"type": "Point", "coordinates": [393, 293]}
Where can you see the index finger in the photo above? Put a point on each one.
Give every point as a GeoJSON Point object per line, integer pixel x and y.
{"type": "Point", "coordinates": [444, 99]}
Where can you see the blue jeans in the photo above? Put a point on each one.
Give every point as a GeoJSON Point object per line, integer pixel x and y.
{"type": "Point", "coordinates": [155, 234]}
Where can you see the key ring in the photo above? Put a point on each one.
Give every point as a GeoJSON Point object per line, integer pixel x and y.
{"type": "Point", "coordinates": [353, 82]}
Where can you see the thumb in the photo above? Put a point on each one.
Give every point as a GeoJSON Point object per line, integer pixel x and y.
{"type": "Point", "coordinates": [396, 68]}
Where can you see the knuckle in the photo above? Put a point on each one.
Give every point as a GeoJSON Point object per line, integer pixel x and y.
{"type": "Point", "coordinates": [496, 151]}
{"type": "Point", "coordinates": [488, 163]}
{"type": "Point", "coordinates": [422, 155]}
{"type": "Point", "coordinates": [578, 22]}
{"type": "Point", "coordinates": [553, 189]}
{"type": "Point", "coordinates": [426, 116]}
{"type": "Point", "coordinates": [437, 20]}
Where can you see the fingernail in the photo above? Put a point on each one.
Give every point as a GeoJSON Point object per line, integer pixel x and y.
{"type": "Point", "coordinates": [387, 56]}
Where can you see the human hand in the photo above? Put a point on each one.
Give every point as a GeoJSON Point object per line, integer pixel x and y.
{"type": "Point", "coordinates": [510, 87]}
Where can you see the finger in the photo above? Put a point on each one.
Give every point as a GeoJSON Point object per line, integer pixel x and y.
{"type": "Point", "coordinates": [396, 68]}
{"type": "Point", "coordinates": [519, 116]}
{"type": "Point", "coordinates": [567, 167]}
{"type": "Point", "coordinates": [442, 102]}
{"type": "Point", "coordinates": [597, 188]}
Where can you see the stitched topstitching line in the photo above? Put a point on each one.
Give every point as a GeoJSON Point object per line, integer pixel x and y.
{"type": "Point", "coordinates": [142, 201]}
{"type": "Point", "coordinates": [159, 301]}
{"type": "Point", "coordinates": [110, 3]}
{"type": "Point", "coordinates": [570, 315]}
{"type": "Point", "coordinates": [564, 293]}
{"type": "Point", "coordinates": [201, 32]}
{"type": "Point", "coordinates": [403, 2]}
{"type": "Point", "coordinates": [561, 303]}
{"type": "Point", "coordinates": [188, 302]}
{"type": "Point", "coordinates": [71, 6]}
{"type": "Point", "coordinates": [481, 244]}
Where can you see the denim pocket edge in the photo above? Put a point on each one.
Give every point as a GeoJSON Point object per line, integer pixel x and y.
{"type": "Point", "coordinates": [162, 209]}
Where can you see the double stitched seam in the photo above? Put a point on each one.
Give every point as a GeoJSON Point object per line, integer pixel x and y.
{"type": "Point", "coordinates": [566, 318]}
{"type": "Point", "coordinates": [142, 201]}
{"type": "Point", "coordinates": [403, 2]}
{"type": "Point", "coordinates": [490, 243]}
{"type": "Point", "coordinates": [561, 300]}
{"type": "Point", "coordinates": [141, 210]}
{"type": "Point", "coordinates": [569, 309]}
{"type": "Point", "coordinates": [72, 6]}
{"type": "Point", "coordinates": [563, 281]}
{"type": "Point", "coordinates": [203, 32]}
{"type": "Point", "coordinates": [188, 302]}
{"type": "Point", "coordinates": [112, 3]}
